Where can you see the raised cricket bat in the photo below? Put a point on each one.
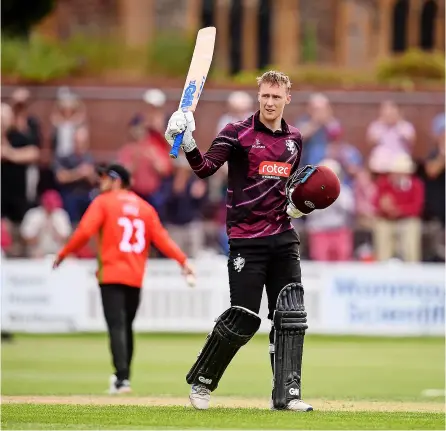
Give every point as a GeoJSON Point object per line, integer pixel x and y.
{"type": "Point", "coordinates": [196, 77]}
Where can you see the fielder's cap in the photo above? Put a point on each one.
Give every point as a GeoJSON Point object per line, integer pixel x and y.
{"type": "Point", "coordinates": [116, 171]}
{"type": "Point", "coordinates": [154, 97]}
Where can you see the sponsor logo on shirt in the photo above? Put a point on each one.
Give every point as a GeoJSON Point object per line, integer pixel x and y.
{"type": "Point", "coordinates": [258, 144]}
{"type": "Point", "coordinates": [275, 170]}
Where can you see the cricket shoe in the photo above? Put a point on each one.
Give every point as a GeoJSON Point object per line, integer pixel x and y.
{"type": "Point", "coordinates": [119, 386]}
{"type": "Point", "coordinates": [295, 406]}
{"type": "Point", "coordinates": [200, 397]}
{"type": "Point", "coordinates": [299, 406]}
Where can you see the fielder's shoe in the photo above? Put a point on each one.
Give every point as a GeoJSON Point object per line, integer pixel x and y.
{"type": "Point", "coordinates": [295, 405]}
{"type": "Point", "coordinates": [200, 396]}
{"type": "Point", "coordinates": [119, 386]}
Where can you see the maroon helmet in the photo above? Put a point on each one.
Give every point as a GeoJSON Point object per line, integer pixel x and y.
{"type": "Point", "coordinates": [313, 187]}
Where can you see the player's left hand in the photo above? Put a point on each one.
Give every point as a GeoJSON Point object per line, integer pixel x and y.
{"type": "Point", "coordinates": [189, 273]}
{"type": "Point", "coordinates": [178, 123]}
{"type": "Point", "coordinates": [57, 261]}
{"type": "Point", "coordinates": [293, 212]}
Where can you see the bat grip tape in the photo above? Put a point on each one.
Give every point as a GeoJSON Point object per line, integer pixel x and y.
{"type": "Point", "coordinates": [176, 145]}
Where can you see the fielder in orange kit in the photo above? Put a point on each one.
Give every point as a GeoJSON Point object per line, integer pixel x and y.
{"type": "Point", "coordinates": [126, 226]}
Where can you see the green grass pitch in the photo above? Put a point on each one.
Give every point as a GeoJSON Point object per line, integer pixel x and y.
{"type": "Point", "coordinates": [358, 383]}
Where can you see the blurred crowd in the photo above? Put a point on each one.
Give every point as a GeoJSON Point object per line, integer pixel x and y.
{"type": "Point", "coordinates": [390, 207]}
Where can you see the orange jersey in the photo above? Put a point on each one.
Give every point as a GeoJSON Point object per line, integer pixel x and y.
{"type": "Point", "coordinates": [126, 226]}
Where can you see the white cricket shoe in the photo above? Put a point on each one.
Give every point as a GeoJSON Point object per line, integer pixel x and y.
{"type": "Point", "coordinates": [295, 405]}
{"type": "Point", "coordinates": [116, 387]}
{"type": "Point", "coordinates": [200, 397]}
{"type": "Point", "coordinates": [299, 406]}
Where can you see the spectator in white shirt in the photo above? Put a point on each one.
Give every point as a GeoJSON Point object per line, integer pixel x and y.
{"type": "Point", "coordinates": [68, 115]}
{"type": "Point", "coordinates": [46, 228]}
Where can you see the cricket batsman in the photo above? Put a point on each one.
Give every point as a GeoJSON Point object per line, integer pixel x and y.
{"type": "Point", "coordinates": [265, 189]}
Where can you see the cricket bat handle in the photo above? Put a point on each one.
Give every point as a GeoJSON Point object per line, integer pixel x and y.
{"type": "Point", "coordinates": [176, 145]}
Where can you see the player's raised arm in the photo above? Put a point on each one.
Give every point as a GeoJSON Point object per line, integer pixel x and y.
{"type": "Point", "coordinates": [89, 225]}
{"type": "Point", "coordinates": [204, 165]}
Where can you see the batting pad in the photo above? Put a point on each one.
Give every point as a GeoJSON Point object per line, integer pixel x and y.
{"type": "Point", "coordinates": [290, 323]}
{"type": "Point", "coordinates": [232, 330]}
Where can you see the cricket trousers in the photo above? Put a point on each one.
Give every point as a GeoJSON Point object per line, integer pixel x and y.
{"type": "Point", "coordinates": [120, 304]}
{"type": "Point", "coordinates": [272, 261]}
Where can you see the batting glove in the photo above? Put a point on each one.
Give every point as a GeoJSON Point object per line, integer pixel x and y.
{"type": "Point", "coordinates": [181, 122]}
{"type": "Point", "coordinates": [293, 212]}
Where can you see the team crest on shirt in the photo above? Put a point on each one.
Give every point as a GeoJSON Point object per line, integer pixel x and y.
{"type": "Point", "coordinates": [239, 263]}
{"type": "Point", "coordinates": [291, 146]}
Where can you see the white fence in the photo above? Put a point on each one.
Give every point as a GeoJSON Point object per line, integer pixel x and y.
{"type": "Point", "coordinates": [350, 298]}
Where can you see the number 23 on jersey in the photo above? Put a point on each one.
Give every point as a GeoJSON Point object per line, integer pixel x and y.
{"type": "Point", "coordinates": [132, 229]}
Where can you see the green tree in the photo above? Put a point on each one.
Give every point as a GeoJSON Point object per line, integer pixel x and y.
{"type": "Point", "coordinates": [19, 16]}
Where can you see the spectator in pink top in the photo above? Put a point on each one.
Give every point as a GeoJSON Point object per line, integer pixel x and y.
{"type": "Point", "coordinates": [391, 136]}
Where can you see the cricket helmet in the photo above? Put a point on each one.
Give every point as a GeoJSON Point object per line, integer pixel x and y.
{"type": "Point", "coordinates": [313, 187]}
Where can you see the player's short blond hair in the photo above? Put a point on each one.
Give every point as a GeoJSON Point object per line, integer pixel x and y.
{"type": "Point", "coordinates": [274, 77]}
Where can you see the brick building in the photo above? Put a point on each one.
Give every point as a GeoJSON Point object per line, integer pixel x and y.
{"type": "Point", "coordinates": [255, 33]}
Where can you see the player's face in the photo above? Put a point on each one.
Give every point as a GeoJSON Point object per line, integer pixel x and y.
{"type": "Point", "coordinates": [272, 99]}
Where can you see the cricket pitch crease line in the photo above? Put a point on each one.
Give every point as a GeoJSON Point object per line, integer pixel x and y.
{"type": "Point", "coordinates": [228, 402]}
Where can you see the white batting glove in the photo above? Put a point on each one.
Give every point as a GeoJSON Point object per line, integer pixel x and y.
{"type": "Point", "coordinates": [293, 212]}
{"type": "Point", "coordinates": [181, 122]}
